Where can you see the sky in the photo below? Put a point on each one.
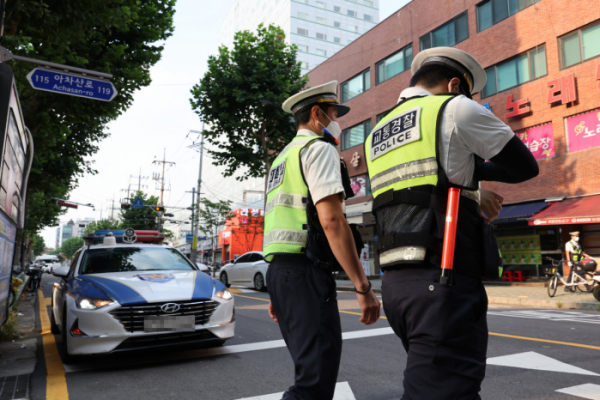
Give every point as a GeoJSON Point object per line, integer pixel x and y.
{"type": "Point", "coordinates": [158, 125]}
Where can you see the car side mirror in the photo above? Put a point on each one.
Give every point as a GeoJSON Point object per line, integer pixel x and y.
{"type": "Point", "coordinates": [61, 272]}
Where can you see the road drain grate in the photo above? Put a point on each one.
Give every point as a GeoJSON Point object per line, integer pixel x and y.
{"type": "Point", "coordinates": [14, 387]}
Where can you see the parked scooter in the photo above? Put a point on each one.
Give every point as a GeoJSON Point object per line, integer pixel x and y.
{"type": "Point", "coordinates": [35, 278]}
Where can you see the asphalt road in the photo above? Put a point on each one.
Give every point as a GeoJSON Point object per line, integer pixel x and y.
{"type": "Point", "coordinates": [532, 355]}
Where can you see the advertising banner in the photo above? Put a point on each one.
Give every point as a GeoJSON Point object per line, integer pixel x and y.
{"type": "Point", "coordinates": [539, 140]}
{"type": "Point", "coordinates": [520, 250]}
{"type": "Point", "coordinates": [8, 233]}
{"type": "Point", "coordinates": [359, 185]}
{"type": "Point", "coordinates": [583, 131]}
{"type": "Point", "coordinates": [364, 260]}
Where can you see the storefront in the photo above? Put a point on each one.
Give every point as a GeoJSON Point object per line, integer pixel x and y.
{"type": "Point", "coordinates": [243, 233]}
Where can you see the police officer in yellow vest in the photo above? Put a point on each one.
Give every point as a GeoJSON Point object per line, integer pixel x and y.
{"type": "Point", "coordinates": [437, 137]}
{"type": "Point", "coordinates": [306, 238]}
{"type": "Point", "coordinates": [574, 254]}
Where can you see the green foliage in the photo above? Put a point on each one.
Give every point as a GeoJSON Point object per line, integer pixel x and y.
{"type": "Point", "coordinates": [103, 224]}
{"type": "Point", "coordinates": [212, 216]}
{"type": "Point", "coordinates": [70, 246]}
{"type": "Point", "coordinates": [121, 37]}
{"type": "Point", "coordinates": [246, 132]}
{"type": "Point", "coordinates": [145, 218]}
{"type": "Point", "coordinates": [38, 246]}
{"type": "Point", "coordinates": [8, 331]}
{"type": "Point", "coordinates": [559, 304]}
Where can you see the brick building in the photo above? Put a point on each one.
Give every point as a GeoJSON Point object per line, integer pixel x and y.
{"type": "Point", "coordinates": [543, 66]}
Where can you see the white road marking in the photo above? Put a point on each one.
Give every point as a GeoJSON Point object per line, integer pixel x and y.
{"type": "Point", "coordinates": [551, 315]}
{"type": "Point", "coordinates": [342, 392]}
{"type": "Point", "coordinates": [536, 361]}
{"type": "Point", "coordinates": [494, 306]}
{"type": "Point", "coordinates": [225, 350]}
{"type": "Point", "coordinates": [587, 391]}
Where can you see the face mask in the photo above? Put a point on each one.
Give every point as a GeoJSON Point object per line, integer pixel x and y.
{"type": "Point", "coordinates": [576, 239]}
{"type": "Point", "coordinates": [333, 128]}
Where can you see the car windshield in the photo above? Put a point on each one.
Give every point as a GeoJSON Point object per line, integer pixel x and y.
{"type": "Point", "coordinates": [97, 261]}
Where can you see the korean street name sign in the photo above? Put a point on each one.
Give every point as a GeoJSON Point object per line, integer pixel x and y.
{"type": "Point", "coordinates": [71, 84]}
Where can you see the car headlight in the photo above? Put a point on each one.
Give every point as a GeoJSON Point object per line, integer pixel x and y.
{"type": "Point", "coordinates": [224, 294]}
{"type": "Point", "coordinates": [90, 303]}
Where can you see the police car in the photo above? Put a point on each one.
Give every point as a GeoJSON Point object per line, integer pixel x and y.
{"type": "Point", "coordinates": [126, 291]}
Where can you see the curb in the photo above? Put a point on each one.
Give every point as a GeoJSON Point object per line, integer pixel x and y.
{"type": "Point", "coordinates": [577, 305]}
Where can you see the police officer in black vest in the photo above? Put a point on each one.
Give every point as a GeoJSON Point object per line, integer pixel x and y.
{"type": "Point", "coordinates": [437, 138]}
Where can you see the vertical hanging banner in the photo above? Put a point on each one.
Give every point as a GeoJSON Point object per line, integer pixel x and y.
{"type": "Point", "coordinates": [539, 140]}
{"type": "Point", "coordinates": [8, 233]}
{"type": "Point", "coordinates": [583, 131]}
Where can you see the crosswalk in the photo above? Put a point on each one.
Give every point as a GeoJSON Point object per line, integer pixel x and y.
{"type": "Point", "coordinates": [551, 315]}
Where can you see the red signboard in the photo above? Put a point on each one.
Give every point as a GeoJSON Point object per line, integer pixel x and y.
{"type": "Point", "coordinates": [539, 140]}
{"type": "Point", "coordinates": [583, 131]}
{"type": "Point", "coordinates": [562, 89]}
{"type": "Point", "coordinates": [565, 221]}
{"type": "Point", "coordinates": [598, 74]}
{"type": "Point", "coordinates": [518, 107]}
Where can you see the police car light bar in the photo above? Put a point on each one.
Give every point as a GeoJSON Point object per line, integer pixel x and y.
{"type": "Point", "coordinates": [142, 236]}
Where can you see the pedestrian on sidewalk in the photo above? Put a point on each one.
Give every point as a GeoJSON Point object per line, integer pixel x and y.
{"type": "Point", "coordinates": [436, 138]}
{"type": "Point", "coordinates": [307, 238]}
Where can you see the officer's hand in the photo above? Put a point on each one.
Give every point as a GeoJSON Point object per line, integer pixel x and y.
{"type": "Point", "coordinates": [272, 313]}
{"type": "Point", "coordinates": [369, 306]}
{"type": "Point", "coordinates": [490, 203]}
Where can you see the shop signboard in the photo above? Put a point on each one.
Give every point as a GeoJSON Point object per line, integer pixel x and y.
{"type": "Point", "coordinates": [565, 221]}
{"type": "Point", "coordinates": [359, 185]}
{"type": "Point", "coordinates": [520, 250]}
{"type": "Point", "coordinates": [583, 131]}
{"type": "Point", "coordinates": [364, 260]}
{"type": "Point", "coordinates": [8, 233]}
{"type": "Point", "coordinates": [539, 140]}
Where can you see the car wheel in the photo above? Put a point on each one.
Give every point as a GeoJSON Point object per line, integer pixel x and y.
{"type": "Point", "coordinates": [223, 279]}
{"type": "Point", "coordinates": [259, 282]}
{"type": "Point", "coordinates": [53, 327]}
{"type": "Point", "coordinates": [66, 357]}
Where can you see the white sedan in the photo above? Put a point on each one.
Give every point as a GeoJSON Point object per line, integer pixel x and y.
{"type": "Point", "coordinates": [248, 270]}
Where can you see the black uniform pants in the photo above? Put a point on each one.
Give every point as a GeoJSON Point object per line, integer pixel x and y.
{"type": "Point", "coordinates": [442, 328]}
{"type": "Point", "coordinates": [304, 298]}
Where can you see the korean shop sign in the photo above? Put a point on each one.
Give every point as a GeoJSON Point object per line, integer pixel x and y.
{"type": "Point", "coordinates": [539, 140]}
{"type": "Point", "coordinates": [583, 131]}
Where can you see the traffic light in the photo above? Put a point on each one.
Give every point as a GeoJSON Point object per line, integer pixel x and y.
{"type": "Point", "coordinates": [125, 206]}
{"type": "Point", "coordinates": [65, 204]}
{"type": "Point", "coordinates": [159, 208]}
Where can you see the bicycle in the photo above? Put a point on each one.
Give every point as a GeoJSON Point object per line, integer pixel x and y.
{"type": "Point", "coordinates": [577, 281]}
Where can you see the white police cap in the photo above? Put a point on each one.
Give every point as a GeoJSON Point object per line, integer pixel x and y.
{"type": "Point", "coordinates": [322, 94]}
{"type": "Point", "coordinates": [456, 59]}
{"type": "Point", "coordinates": [575, 233]}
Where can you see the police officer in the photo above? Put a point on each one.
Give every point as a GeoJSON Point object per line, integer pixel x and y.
{"type": "Point", "coordinates": [437, 137]}
{"type": "Point", "coordinates": [574, 254]}
{"type": "Point", "coordinates": [306, 238]}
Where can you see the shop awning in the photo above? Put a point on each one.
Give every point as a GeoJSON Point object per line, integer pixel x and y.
{"type": "Point", "coordinates": [583, 210]}
{"type": "Point", "coordinates": [519, 212]}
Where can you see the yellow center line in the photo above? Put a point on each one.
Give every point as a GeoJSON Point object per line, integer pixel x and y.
{"type": "Point", "coordinates": [586, 346]}
{"type": "Point", "coordinates": [56, 382]}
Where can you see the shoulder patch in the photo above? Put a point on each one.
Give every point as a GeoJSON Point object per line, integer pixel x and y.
{"type": "Point", "coordinates": [276, 176]}
{"type": "Point", "coordinates": [402, 129]}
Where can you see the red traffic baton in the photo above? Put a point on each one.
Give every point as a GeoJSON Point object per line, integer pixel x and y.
{"type": "Point", "coordinates": [450, 236]}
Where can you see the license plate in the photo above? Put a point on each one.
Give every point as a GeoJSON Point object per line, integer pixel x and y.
{"type": "Point", "coordinates": [166, 323]}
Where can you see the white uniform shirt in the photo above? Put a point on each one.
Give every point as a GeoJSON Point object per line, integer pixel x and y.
{"type": "Point", "coordinates": [321, 168]}
{"type": "Point", "coordinates": [569, 247]}
{"type": "Point", "coordinates": [467, 128]}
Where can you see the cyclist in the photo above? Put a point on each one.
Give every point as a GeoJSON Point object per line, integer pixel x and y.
{"type": "Point", "coordinates": [574, 254]}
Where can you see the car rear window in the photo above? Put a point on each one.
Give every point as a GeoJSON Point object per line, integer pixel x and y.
{"type": "Point", "coordinates": [121, 259]}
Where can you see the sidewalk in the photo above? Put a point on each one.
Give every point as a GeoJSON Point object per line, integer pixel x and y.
{"type": "Point", "coordinates": [528, 294]}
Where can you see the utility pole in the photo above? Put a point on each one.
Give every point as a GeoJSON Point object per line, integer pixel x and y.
{"type": "Point", "coordinates": [162, 178]}
{"type": "Point", "coordinates": [139, 177]}
{"type": "Point", "coordinates": [193, 253]}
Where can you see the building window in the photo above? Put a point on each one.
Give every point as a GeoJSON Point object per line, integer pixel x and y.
{"type": "Point", "coordinates": [353, 28]}
{"type": "Point", "coordinates": [337, 24]}
{"type": "Point", "coordinates": [515, 71]}
{"type": "Point", "coordinates": [302, 48]}
{"type": "Point", "coordinates": [352, 13]}
{"type": "Point", "coordinates": [368, 18]}
{"type": "Point", "coordinates": [394, 64]}
{"type": "Point", "coordinates": [337, 9]}
{"type": "Point", "coordinates": [321, 4]}
{"type": "Point", "coordinates": [321, 20]}
{"type": "Point", "coordinates": [355, 135]}
{"type": "Point", "coordinates": [449, 34]}
{"type": "Point", "coordinates": [321, 52]}
{"type": "Point", "coordinates": [321, 36]}
{"type": "Point", "coordinates": [357, 85]}
{"type": "Point", "coordinates": [368, 3]}
{"type": "Point", "coordinates": [302, 15]}
{"type": "Point", "coordinates": [303, 32]}
{"type": "Point", "coordinates": [304, 65]}
{"type": "Point", "coordinates": [493, 11]}
{"type": "Point", "coordinates": [302, 1]}
{"type": "Point", "coordinates": [580, 46]}
{"type": "Point", "coordinates": [336, 40]}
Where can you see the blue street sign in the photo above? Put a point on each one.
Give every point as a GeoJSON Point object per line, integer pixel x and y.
{"type": "Point", "coordinates": [71, 84]}
{"type": "Point", "coordinates": [137, 204]}
{"type": "Point", "coordinates": [202, 238]}
{"type": "Point", "coordinates": [189, 238]}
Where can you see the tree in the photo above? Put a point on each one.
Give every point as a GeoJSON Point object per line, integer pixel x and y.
{"type": "Point", "coordinates": [212, 217]}
{"type": "Point", "coordinates": [103, 224]}
{"type": "Point", "coordinates": [38, 245]}
{"type": "Point", "coordinates": [146, 218]}
{"type": "Point", "coordinates": [245, 131]}
{"type": "Point", "coordinates": [121, 37]}
{"type": "Point", "coordinates": [71, 245]}
{"type": "Point", "coordinates": [249, 229]}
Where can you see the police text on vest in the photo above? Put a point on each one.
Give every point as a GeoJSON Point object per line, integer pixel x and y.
{"type": "Point", "coordinates": [399, 131]}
